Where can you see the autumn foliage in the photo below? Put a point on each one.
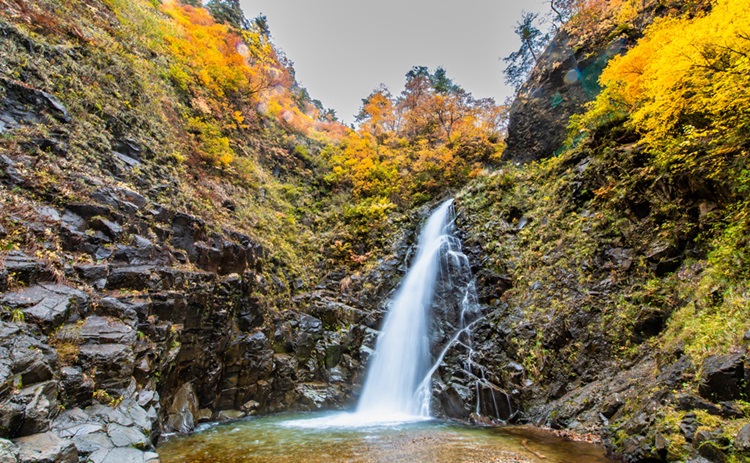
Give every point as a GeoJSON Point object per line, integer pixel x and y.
{"type": "Point", "coordinates": [430, 138]}
{"type": "Point", "coordinates": [235, 79]}
{"type": "Point", "coordinates": [685, 88]}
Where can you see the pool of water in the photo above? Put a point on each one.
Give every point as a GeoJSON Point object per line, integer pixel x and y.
{"type": "Point", "coordinates": [327, 438]}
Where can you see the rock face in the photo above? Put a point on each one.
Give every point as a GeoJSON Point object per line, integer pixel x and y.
{"type": "Point", "coordinates": [98, 364]}
{"type": "Point", "coordinates": [565, 78]}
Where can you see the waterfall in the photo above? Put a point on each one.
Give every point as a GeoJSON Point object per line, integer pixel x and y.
{"type": "Point", "coordinates": [402, 352]}
{"type": "Point", "coordinates": [398, 385]}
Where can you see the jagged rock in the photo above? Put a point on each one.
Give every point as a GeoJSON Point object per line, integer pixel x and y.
{"type": "Point", "coordinates": [141, 252]}
{"type": "Point", "coordinates": [48, 305]}
{"type": "Point", "coordinates": [31, 359]}
{"type": "Point", "coordinates": [137, 277]}
{"type": "Point", "coordinates": [46, 448]}
{"type": "Point", "coordinates": [22, 104]}
{"type": "Point", "coordinates": [8, 451]}
{"type": "Point", "coordinates": [494, 402]}
{"type": "Point", "coordinates": [40, 406]}
{"type": "Point", "coordinates": [114, 364]}
{"type": "Point", "coordinates": [742, 440]}
{"type": "Point", "coordinates": [95, 275]}
{"type": "Point", "coordinates": [707, 445]}
{"type": "Point", "coordinates": [562, 81]}
{"type": "Point", "coordinates": [182, 410]}
{"type": "Point", "coordinates": [25, 269]}
{"type": "Point", "coordinates": [127, 310]}
{"type": "Point", "coordinates": [689, 426]}
{"type": "Point", "coordinates": [77, 389]}
{"type": "Point", "coordinates": [113, 230]}
{"type": "Point", "coordinates": [723, 377]}
{"type": "Point", "coordinates": [105, 330]}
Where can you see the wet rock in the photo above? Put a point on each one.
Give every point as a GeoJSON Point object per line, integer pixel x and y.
{"type": "Point", "coordinates": [30, 359]}
{"type": "Point", "coordinates": [141, 252]}
{"type": "Point", "coordinates": [182, 410]}
{"type": "Point", "coordinates": [114, 364]}
{"type": "Point", "coordinates": [723, 377]}
{"type": "Point", "coordinates": [76, 389]}
{"type": "Point", "coordinates": [48, 305]}
{"type": "Point", "coordinates": [494, 402]}
{"type": "Point", "coordinates": [230, 415]}
{"type": "Point", "coordinates": [204, 415]}
{"type": "Point", "coordinates": [127, 310]}
{"type": "Point", "coordinates": [46, 448]}
{"type": "Point", "coordinates": [8, 451]}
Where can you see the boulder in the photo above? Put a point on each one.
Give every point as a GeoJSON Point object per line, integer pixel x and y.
{"type": "Point", "coordinates": [46, 448]}
{"type": "Point", "coordinates": [182, 410]}
{"type": "Point", "coordinates": [722, 377]}
{"type": "Point", "coordinates": [114, 364]}
{"type": "Point", "coordinates": [742, 441]}
{"type": "Point", "coordinates": [8, 451]}
{"type": "Point", "coordinates": [76, 389]}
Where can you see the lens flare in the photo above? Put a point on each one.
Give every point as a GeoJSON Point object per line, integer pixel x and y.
{"type": "Point", "coordinates": [572, 76]}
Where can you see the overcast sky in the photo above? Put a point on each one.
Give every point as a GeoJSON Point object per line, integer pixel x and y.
{"type": "Point", "coordinates": [343, 49]}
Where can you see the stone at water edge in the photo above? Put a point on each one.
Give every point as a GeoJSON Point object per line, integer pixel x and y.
{"type": "Point", "coordinates": [8, 451]}
{"type": "Point", "coordinates": [46, 448]}
{"type": "Point", "coordinates": [742, 441]}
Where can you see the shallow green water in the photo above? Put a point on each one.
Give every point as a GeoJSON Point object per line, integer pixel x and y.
{"type": "Point", "coordinates": [279, 438]}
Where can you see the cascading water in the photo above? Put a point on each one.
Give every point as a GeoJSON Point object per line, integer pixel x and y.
{"type": "Point", "coordinates": [398, 385]}
{"type": "Point", "coordinates": [402, 352]}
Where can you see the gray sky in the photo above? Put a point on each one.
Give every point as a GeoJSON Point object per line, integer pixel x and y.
{"type": "Point", "coordinates": [343, 49]}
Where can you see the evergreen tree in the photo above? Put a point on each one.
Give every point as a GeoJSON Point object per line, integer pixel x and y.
{"type": "Point", "coordinates": [228, 12]}
{"type": "Point", "coordinates": [521, 62]}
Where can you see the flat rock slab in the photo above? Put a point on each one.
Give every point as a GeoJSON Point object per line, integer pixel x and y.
{"type": "Point", "coordinates": [46, 448]}
{"type": "Point", "coordinates": [48, 305]}
{"type": "Point", "coordinates": [105, 330]}
{"type": "Point", "coordinates": [123, 455]}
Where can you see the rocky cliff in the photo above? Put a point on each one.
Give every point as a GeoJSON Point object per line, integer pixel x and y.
{"type": "Point", "coordinates": [168, 256]}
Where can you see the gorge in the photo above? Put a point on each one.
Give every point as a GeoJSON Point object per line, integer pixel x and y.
{"type": "Point", "coordinates": [188, 238]}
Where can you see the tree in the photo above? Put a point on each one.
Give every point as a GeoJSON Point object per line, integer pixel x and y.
{"type": "Point", "coordinates": [228, 12]}
{"type": "Point", "coordinates": [521, 62]}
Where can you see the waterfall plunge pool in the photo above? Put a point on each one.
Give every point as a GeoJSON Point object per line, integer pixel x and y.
{"type": "Point", "coordinates": [325, 438]}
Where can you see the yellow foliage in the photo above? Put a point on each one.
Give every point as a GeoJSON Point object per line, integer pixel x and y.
{"type": "Point", "coordinates": [686, 86]}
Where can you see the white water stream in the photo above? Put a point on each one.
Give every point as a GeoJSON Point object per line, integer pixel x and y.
{"type": "Point", "coordinates": [398, 386]}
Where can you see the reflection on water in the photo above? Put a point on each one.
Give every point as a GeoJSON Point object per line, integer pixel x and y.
{"type": "Point", "coordinates": [272, 439]}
